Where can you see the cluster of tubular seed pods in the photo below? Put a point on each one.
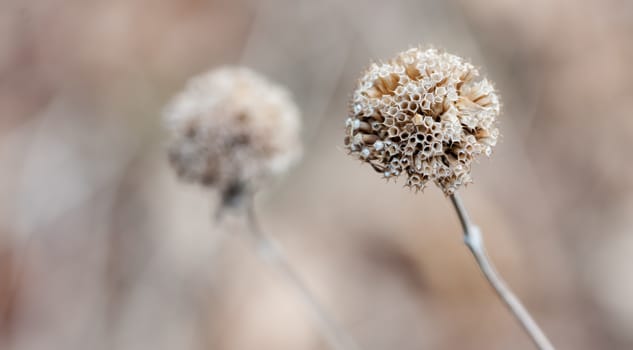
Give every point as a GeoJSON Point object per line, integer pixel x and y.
{"type": "Point", "coordinates": [423, 114]}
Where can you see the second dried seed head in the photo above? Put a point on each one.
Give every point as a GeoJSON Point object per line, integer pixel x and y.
{"type": "Point", "coordinates": [424, 114]}
{"type": "Point", "coordinates": [232, 129]}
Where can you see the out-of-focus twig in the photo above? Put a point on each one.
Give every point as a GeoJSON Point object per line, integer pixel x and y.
{"type": "Point", "coordinates": [272, 253]}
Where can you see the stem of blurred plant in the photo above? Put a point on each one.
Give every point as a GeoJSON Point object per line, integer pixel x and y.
{"type": "Point", "coordinates": [474, 241]}
{"type": "Point", "coordinates": [269, 250]}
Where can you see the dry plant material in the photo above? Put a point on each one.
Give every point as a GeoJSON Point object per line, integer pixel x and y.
{"type": "Point", "coordinates": [424, 114]}
{"type": "Point", "coordinates": [231, 128]}
{"type": "Point", "coordinates": [427, 114]}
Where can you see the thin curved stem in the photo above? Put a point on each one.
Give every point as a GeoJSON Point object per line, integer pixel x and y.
{"type": "Point", "coordinates": [268, 248]}
{"type": "Point", "coordinates": [474, 241]}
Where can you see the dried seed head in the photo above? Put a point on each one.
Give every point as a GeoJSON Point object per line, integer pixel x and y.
{"type": "Point", "coordinates": [230, 128]}
{"type": "Point", "coordinates": [431, 117]}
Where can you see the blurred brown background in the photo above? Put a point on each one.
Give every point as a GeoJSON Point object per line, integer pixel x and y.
{"type": "Point", "coordinates": [102, 248]}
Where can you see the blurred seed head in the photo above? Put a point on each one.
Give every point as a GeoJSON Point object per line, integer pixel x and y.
{"type": "Point", "coordinates": [232, 129]}
{"type": "Point", "coordinates": [425, 114]}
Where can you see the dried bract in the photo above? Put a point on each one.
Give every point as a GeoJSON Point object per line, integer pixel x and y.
{"type": "Point", "coordinates": [231, 128]}
{"type": "Point", "coordinates": [425, 114]}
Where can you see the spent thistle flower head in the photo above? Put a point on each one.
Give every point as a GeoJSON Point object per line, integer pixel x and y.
{"type": "Point", "coordinates": [232, 129]}
{"type": "Point", "coordinates": [425, 114]}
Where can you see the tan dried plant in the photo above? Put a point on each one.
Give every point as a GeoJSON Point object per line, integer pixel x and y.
{"type": "Point", "coordinates": [233, 130]}
{"type": "Point", "coordinates": [423, 114]}
{"type": "Point", "coordinates": [428, 115]}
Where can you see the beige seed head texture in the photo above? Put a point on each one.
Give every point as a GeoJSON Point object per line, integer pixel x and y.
{"type": "Point", "coordinates": [232, 127]}
{"type": "Point", "coordinates": [425, 114]}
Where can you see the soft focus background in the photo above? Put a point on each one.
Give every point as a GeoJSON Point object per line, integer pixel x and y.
{"type": "Point", "coordinates": [102, 248]}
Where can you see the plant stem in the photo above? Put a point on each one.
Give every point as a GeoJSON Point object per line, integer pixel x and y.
{"type": "Point", "coordinates": [270, 251]}
{"type": "Point", "coordinates": [474, 241]}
